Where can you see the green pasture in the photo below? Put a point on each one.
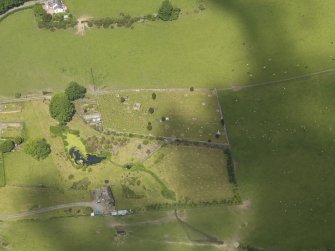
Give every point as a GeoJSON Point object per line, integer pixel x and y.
{"type": "Point", "coordinates": [228, 43]}
{"type": "Point", "coordinates": [11, 132]}
{"type": "Point", "coordinates": [112, 8]}
{"type": "Point", "coordinates": [196, 174]}
{"type": "Point", "coordinates": [283, 141]}
{"type": "Point", "coordinates": [190, 115]}
{"type": "Point", "coordinates": [75, 141]}
{"type": "Point", "coordinates": [11, 107]}
{"type": "Point", "coordinates": [154, 231]}
{"type": "Point", "coordinates": [146, 182]}
{"type": "Point", "coordinates": [2, 172]}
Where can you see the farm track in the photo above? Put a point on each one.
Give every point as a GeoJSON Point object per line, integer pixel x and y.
{"type": "Point", "coordinates": [92, 205]}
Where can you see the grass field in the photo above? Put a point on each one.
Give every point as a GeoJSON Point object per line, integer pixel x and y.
{"type": "Point", "coordinates": [2, 172]}
{"type": "Point", "coordinates": [112, 8]}
{"type": "Point", "coordinates": [195, 173]}
{"type": "Point", "coordinates": [54, 177]}
{"type": "Point", "coordinates": [154, 231]}
{"type": "Point", "coordinates": [230, 42]}
{"type": "Point", "coordinates": [283, 139]}
{"type": "Point", "coordinates": [190, 115]}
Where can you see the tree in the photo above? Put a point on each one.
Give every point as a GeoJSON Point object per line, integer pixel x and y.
{"type": "Point", "coordinates": [7, 146]}
{"type": "Point", "coordinates": [37, 148]}
{"type": "Point", "coordinates": [75, 91]}
{"type": "Point", "coordinates": [61, 108]}
{"type": "Point", "coordinates": [151, 110]}
{"type": "Point", "coordinates": [167, 12]}
{"type": "Point", "coordinates": [18, 140]}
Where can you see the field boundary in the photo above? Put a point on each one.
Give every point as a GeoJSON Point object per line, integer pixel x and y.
{"type": "Point", "coordinates": [168, 140]}
{"type": "Point", "coordinates": [273, 82]}
{"type": "Point", "coordinates": [2, 171]}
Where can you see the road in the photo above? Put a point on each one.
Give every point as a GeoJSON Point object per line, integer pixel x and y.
{"type": "Point", "coordinates": [92, 205]}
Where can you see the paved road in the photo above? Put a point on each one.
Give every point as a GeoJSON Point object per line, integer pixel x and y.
{"type": "Point", "coordinates": [92, 205]}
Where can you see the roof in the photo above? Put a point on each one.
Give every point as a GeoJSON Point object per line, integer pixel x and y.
{"type": "Point", "coordinates": [92, 116]}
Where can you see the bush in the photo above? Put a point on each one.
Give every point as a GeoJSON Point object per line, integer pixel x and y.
{"type": "Point", "coordinates": [167, 12]}
{"type": "Point", "coordinates": [145, 142]}
{"type": "Point", "coordinates": [151, 110]}
{"type": "Point", "coordinates": [75, 91]}
{"type": "Point", "coordinates": [7, 146]}
{"type": "Point", "coordinates": [222, 121]}
{"type": "Point", "coordinates": [163, 118]}
{"type": "Point", "coordinates": [122, 99]}
{"type": "Point", "coordinates": [192, 89]}
{"type": "Point", "coordinates": [18, 95]}
{"type": "Point", "coordinates": [18, 140]}
{"type": "Point", "coordinates": [154, 96]}
{"type": "Point", "coordinates": [149, 126]}
{"type": "Point", "coordinates": [61, 108]}
{"type": "Point", "coordinates": [37, 148]}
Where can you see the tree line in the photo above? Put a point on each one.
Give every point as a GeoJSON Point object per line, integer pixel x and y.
{"type": "Point", "coordinates": [6, 5]}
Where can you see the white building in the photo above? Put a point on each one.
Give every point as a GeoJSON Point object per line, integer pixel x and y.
{"type": "Point", "coordinates": [56, 6]}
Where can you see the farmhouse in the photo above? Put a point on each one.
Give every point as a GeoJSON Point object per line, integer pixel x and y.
{"type": "Point", "coordinates": [56, 6]}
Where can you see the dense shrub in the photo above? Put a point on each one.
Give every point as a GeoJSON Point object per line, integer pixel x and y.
{"type": "Point", "coordinates": [57, 21]}
{"type": "Point", "coordinates": [151, 110]}
{"type": "Point", "coordinates": [192, 89]}
{"type": "Point", "coordinates": [6, 146]}
{"type": "Point", "coordinates": [18, 95]}
{"type": "Point", "coordinates": [154, 96]}
{"type": "Point", "coordinates": [75, 91]}
{"type": "Point", "coordinates": [6, 5]}
{"type": "Point", "coordinates": [167, 12]}
{"type": "Point", "coordinates": [37, 148]}
{"type": "Point", "coordinates": [230, 166]}
{"type": "Point", "coordinates": [18, 140]}
{"type": "Point", "coordinates": [61, 108]}
{"type": "Point", "coordinates": [149, 126]}
{"type": "Point", "coordinates": [122, 99]}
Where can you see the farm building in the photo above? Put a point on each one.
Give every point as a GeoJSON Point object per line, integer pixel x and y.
{"type": "Point", "coordinates": [119, 212]}
{"type": "Point", "coordinates": [96, 118]}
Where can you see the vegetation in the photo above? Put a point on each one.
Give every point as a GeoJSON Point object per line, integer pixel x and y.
{"type": "Point", "coordinates": [37, 148]}
{"type": "Point", "coordinates": [178, 114]}
{"type": "Point", "coordinates": [167, 12]}
{"type": "Point", "coordinates": [6, 5]}
{"type": "Point", "coordinates": [75, 91]}
{"type": "Point", "coordinates": [61, 108]}
{"type": "Point", "coordinates": [282, 140]}
{"type": "Point", "coordinates": [18, 140]}
{"type": "Point", "coordinates": [2, 172]}
{"type": "Point", "coordinates": [235, 43]}
{"type": "Point", "coordinates": [52, 22]}
{"type": "Point", "coordinates": [6, 146]}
